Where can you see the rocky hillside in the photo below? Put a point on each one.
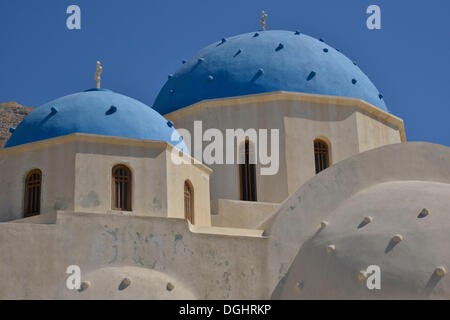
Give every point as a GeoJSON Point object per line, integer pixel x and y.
{"type": "Point", "coordinates": [11, 114]}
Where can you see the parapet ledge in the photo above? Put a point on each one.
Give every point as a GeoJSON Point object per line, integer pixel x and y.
{"type": "Point", "coordinates": [209, 230]}
{"type": "Point", "coordinates": [235, 232]}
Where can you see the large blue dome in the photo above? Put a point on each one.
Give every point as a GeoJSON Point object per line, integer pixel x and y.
{"type": "Point", "coordinates": [263, 62]}
{"type": "Point", "coordinates": [94, 111]}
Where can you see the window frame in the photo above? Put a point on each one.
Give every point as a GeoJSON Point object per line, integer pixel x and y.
{"type": "Point", "coordinates": [321, 154]}
{"type": "Point", "coordinates": [247, 170]}
{"type": "Point", "coordinates": [189, 190]}
{"type": "Point", "coordinates": [30, 191]}
{"type": "Point", "coordinates": [115, 194]}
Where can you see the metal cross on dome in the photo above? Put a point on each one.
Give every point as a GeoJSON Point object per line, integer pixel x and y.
{"type": "Point", "coordinates": [262, 21]}
{"type": "Point", "coordinates": [98, 72]}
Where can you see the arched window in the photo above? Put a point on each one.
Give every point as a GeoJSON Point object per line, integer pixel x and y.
{"type": "Point", "coordinates": [33, 183]}
{"type": "Point", "coordinates": [321, 155]}
{"type": "Point", "coordinates": [247, 171]}
{"type": "Point", "coordinates": [121, 188]}
{"type": "Point", "coordinates": [189, 201]}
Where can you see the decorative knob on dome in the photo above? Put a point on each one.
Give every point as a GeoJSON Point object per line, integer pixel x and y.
{"type": "Point", "coordinates": [397, 238]}
{"type": "Point", "coordinates": [323, 224]}
{"type": "Point", "coordinates": [330, 249]}
{"type": "Point", "coordinates": [440, 271]}
{"type": "Point", "coordinates": [84, 286]}
{"type": "Point", "coordinates": [170, 286]}
{"type": "Point", "coordinates": [125, 283]}
{"type": "Point", "coordinates": [362, 275]}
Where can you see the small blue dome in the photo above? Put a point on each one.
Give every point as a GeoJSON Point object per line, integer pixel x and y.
{"type": "Point", "coordinates": [95, 111]}
{"type": "Point", "coordinates": [265, 61]}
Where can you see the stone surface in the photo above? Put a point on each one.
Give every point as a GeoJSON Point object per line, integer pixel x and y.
{"type": "Point", "coordinates": [11, 114]}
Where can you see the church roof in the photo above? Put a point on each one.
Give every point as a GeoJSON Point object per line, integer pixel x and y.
{"type": "Point", "coordinates": [265, 61]}
{"type": "Point", "coordinates": [94, 111]}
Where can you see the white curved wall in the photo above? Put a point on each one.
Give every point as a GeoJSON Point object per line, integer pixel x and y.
{"type": "Point", "coordinates": [299, 218]}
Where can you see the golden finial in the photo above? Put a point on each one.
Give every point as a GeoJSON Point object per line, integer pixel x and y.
{"type": "Point", "coordinates": [98, 72]}
{"type": "Point", "coordinates": [262, 21]}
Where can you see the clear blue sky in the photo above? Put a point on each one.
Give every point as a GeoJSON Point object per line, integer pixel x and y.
{"type": "Point", "coordinates": [140, 42]}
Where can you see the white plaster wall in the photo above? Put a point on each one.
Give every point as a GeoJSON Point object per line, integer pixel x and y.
{"type": "Point", "coordinates": [406, 268]}
{"type": "Point", "coordinates": [225, 178]}
{"type": "Point", "coordinates": [157, 182]}
{"type": "Point", "coordinates": [198, 176]}
{"type": "Point", "coordinates": [299, 218]}
{"type": "Point", "coordinates": [349, 130]}
{"type": "Point", "coordinates": [306, 122]}
{"type": "Point", "coordinates": [77, 173]}
{"type": "Point", "coordinates": [374, 133]}
{"type": "Point", "coordinates": [240, 214]}
{"type": "Point", "coordinates": [145, 284]}
{"type": "Point", "coordinates": [34, 258]}
{"type": "Point", "coordinates": [57, 167]}
{"type": "Point", "coordinates": [93, 168]}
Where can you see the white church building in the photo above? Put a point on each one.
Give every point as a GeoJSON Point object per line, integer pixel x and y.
{"type": "Point", "coordinates": [89, 180]}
